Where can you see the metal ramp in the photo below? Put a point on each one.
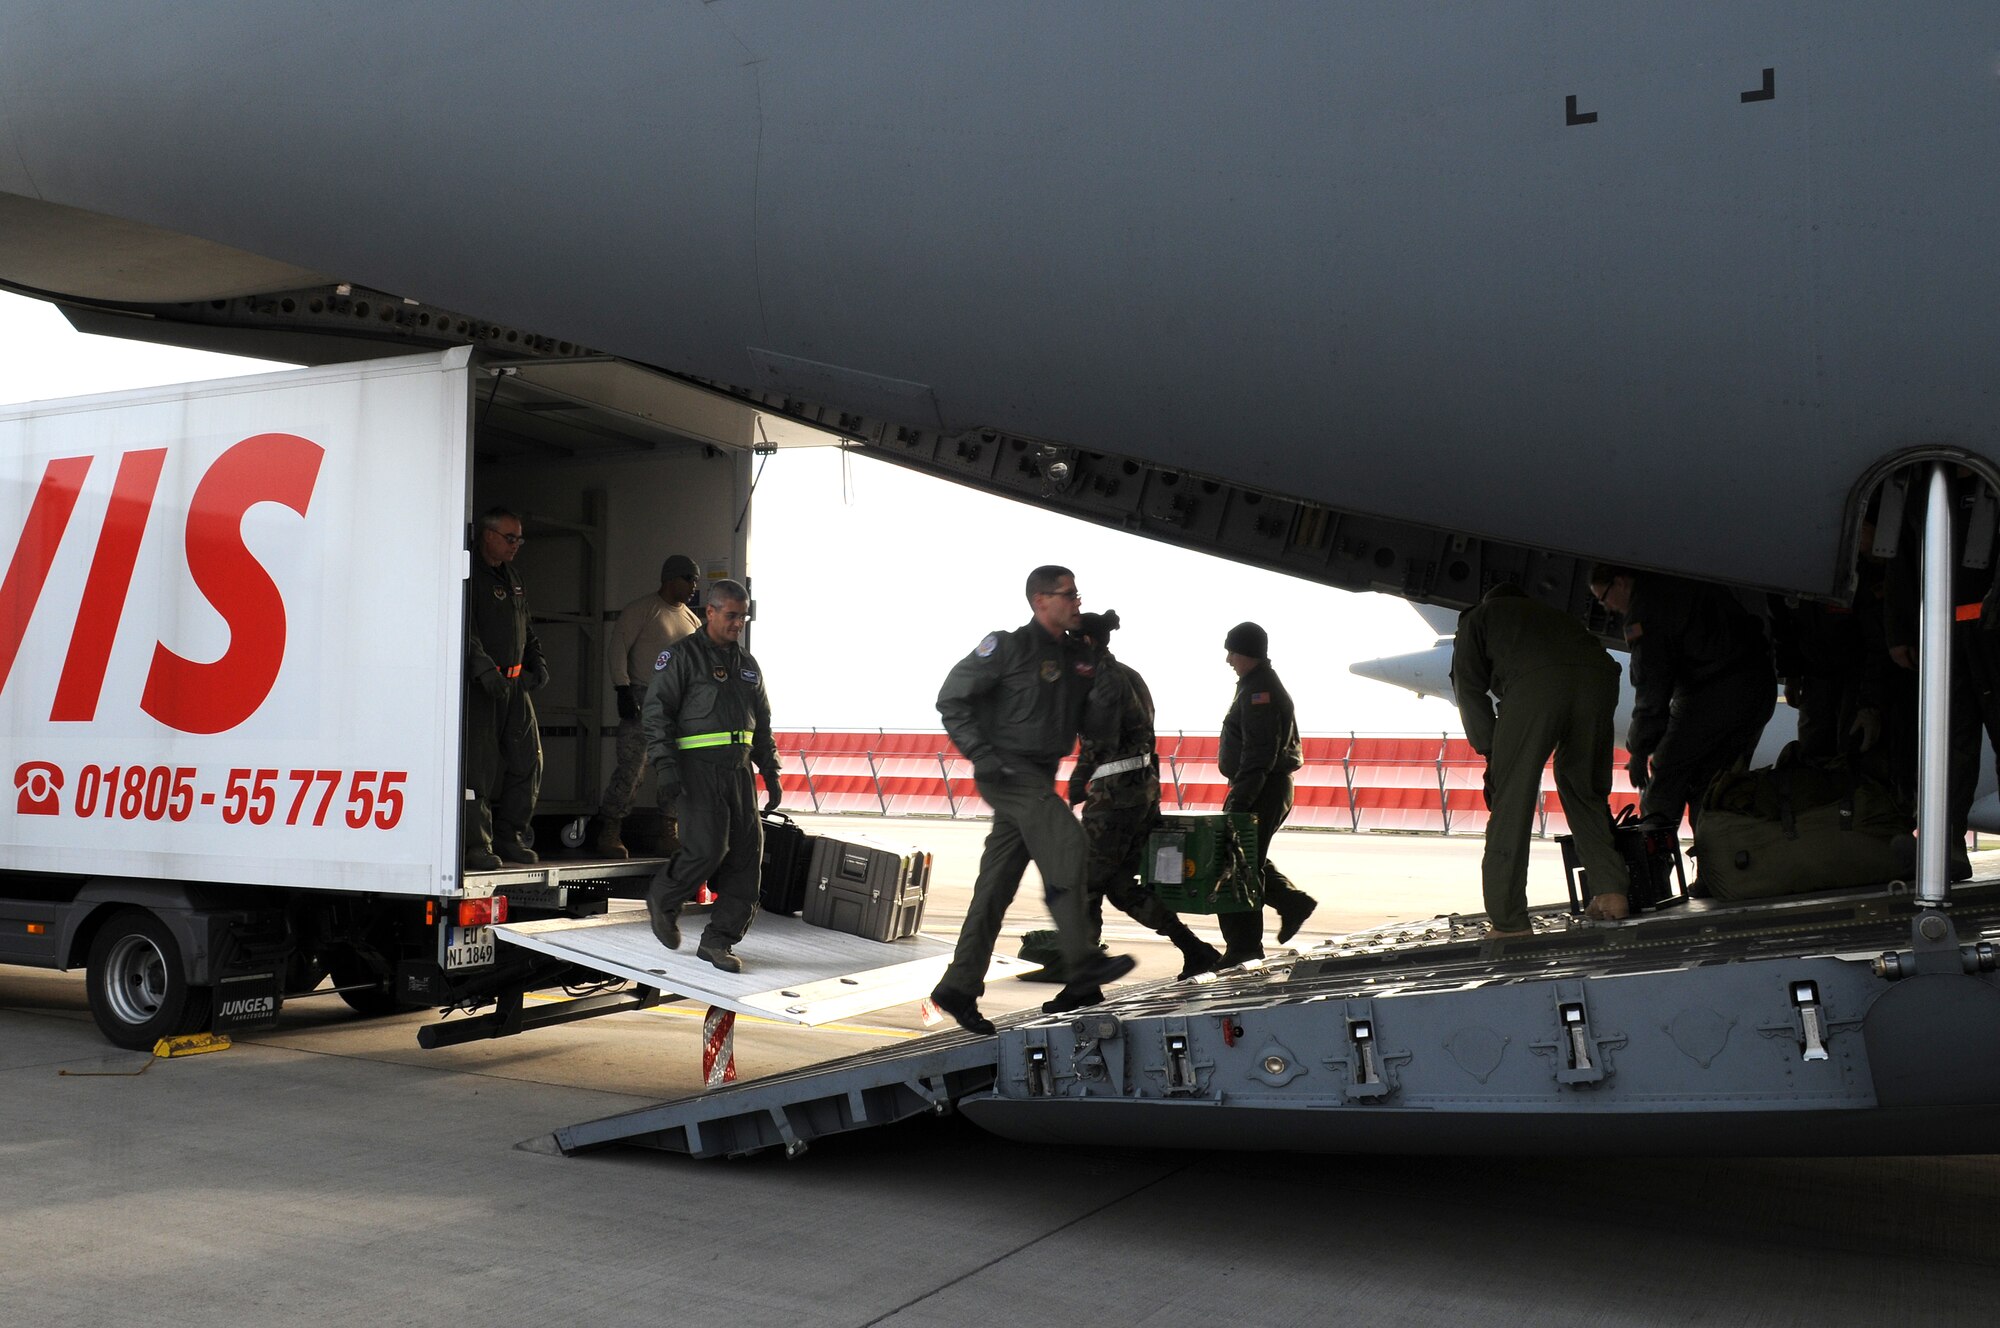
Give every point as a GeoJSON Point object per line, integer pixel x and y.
{"type": "Point", "coordinates": [791, 1110]}
{"type": "Point", "coordinates": [1840, 1024]}
{"type": "Point", "coordinates": [792, 972]}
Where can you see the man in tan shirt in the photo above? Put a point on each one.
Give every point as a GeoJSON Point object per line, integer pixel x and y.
{"type": "Point", "coordinates": [646, 626]}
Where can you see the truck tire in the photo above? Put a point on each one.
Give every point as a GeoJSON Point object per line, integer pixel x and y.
{"type": "Point", "coordinates": [139, 992]}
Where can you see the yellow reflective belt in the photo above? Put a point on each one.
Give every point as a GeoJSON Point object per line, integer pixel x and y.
{"type": "Point", "coordinates": [732, 737]}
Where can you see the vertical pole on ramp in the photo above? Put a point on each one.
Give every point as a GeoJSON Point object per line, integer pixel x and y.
{"type": "Point", "coordinates": [718, 1047]}
{"type": "Point", "coordinates": [1934, 694]}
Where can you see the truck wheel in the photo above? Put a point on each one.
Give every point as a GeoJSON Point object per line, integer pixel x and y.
{"type": "Point", "coordinates": [139, 992]}
{"type": "Point", "coordinates": [368, 1002]}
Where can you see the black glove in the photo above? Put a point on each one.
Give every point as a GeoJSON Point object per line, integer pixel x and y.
{"type": "Point", "coordinates": [1635, 769]}
{"type": "Point", "coordinates": [1079, 789]}
{"type": "Point", "coordinates": [667, 791]}
{"type": "Point", "coordinates": [1486, 786]}
{"type": "Point", "coordinates": [775, 788]}
{"type": "Point", "coordinates": [534, 682]}
{"type": "Point", "coordinates": [991, 767]}
{"type": "Point", "coordinates": [494, 684]}
{"type": "Point", "coordinates": [628, 703]}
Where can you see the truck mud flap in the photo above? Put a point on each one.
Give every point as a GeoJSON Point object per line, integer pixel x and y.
{"type": "Point", "coordinates": [789, 1111]}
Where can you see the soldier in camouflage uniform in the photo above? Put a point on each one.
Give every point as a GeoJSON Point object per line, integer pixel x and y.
{"type": "Point", "coordinates": [1117, 779]}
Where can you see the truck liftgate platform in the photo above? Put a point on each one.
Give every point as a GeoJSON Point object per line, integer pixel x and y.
{"type": "Point", "coordinates": [793, 973]}
{"type": "Point", "coordinates": [1841, 1024]}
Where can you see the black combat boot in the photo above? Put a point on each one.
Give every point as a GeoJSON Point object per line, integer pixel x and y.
{"type": "Point", "coordinates": [1293, 910]}
{"type": "Point", "coordinates": [1197, 955]}
{"type": "Point", "coordinates": [666, 921]}
{"type": "Point", "coordinates": [719, 954]}
{"type": "Point", "coordinates": [1102, 969]}
{"type": "Point", "coordinates": [1073, 998]}
{"type": "Point", "coordinates": [609, 845]}
{"type": "Point", "coordinates": [964, 1010]}
{"type": "Point", "coordinates": [514, 848]}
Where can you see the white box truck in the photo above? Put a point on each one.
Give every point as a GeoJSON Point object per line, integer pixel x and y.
{"type": "Point", "coordinates": [231, 657]}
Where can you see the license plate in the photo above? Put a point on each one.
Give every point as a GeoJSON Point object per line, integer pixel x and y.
{"type": "Point", "coordinates": [468, 947]}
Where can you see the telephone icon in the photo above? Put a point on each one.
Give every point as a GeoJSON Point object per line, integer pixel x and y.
{"type": "Point", "coordinates": [39, 782]}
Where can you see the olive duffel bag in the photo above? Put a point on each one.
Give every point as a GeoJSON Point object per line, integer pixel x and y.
{"type": "Point", "coordinates": [1797, 827]}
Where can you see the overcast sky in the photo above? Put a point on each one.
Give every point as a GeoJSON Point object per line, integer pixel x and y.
{"type": "Point", "coordinates": [871, 580]}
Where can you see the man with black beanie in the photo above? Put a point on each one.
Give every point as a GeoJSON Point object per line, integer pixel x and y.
{"type": "Point", "coordinates": [1258, 753]}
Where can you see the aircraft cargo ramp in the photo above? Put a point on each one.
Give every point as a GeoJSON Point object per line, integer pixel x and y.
{"type": "Point", "coordinates": [1842, 1024]}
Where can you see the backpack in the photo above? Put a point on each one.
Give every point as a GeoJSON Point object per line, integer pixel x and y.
{"type": "Point", "coordinates": [1797, 827]}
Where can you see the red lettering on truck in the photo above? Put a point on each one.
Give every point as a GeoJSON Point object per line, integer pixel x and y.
{"type": "Point", "coordinates": [28, 570]}
{"type": "Point", "coordinates": [197, 697]}
{"type": "Point", "coordinates": [110, 580]}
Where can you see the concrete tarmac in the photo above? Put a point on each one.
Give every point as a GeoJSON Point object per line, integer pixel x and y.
{"type": "Point", "coordinates": [329, 1171]}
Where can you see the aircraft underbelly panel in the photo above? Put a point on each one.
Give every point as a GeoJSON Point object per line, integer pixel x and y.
{"type": "Point", "coordinates": [1523, 272]}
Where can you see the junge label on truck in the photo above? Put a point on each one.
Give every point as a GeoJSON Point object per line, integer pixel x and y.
{"type": "Point", "coordinates": [250, 1000]}
{"type": "Point", "coordinates": [231, 639]}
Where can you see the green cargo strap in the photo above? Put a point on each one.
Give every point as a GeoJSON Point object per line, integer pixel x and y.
{"type": "Point", "coordinates": [733, 737]}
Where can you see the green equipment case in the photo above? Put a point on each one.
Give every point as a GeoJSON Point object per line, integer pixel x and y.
{"type": "Point", "coordinates": [1205, 863]}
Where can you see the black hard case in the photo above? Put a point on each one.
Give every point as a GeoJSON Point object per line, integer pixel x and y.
{"type": "Point", "coordinates": [866, 887]}
{"type": "Point", "coordinates": [787, 861]}
{"type": "Point", "coordinates": [1655, 877]}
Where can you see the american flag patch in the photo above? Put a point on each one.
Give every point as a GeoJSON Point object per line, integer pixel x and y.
{"type": "Point", "coordinates": [1260, 698]}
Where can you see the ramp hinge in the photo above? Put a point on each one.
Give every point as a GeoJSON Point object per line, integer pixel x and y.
{"type": "Point", "coordinates": [1361, 1033]}
{"type": "Point", "coordinates": [1580, 1052]}
{"type": "Point", "coordinates": [1579, 1037]}
{"type": "Point", "coordinates": [1091, 1033]}
{"type": "Point", "coordinates": [1180, 1066]}
{"type": "Point", "coordinates": [1041, 1080]}
{"type": "Point", "coordinates": [1805, 999]}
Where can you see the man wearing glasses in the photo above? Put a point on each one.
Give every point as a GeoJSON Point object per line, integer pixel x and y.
{"type": "Point", "coordinates": [503, 663]}
{"type": "Point", "coordinates": [1013, 707]}
{"type": "Point", "coordinates": [708, 722]}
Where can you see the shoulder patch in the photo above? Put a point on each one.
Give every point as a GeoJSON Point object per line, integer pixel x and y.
{"type": "Point", "coordinates": [660, 660]}
{"type": "Point", "coordinates": [749, 675]}
{"type": "Point", "coordinates": [1260, 698]}
{"type": "Point", "coordinates": [986, 647]}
